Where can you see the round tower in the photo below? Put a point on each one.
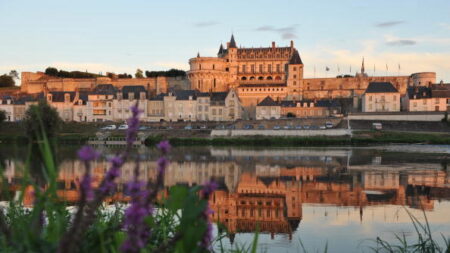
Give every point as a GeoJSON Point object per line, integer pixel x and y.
{"type": "Point", "coordinates": [208, 74]}
{"type": "Point", "coordinates": [423, 79]}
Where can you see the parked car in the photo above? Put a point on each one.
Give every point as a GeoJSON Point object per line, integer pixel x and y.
{"type": "Point", "coordinates": [305, 127]}
{"type": "Point", "coordinates": [143, 128]}
{"type": "Point", "coordinates": [123, 127]}
{"type": "Point", "coordinates": [188, 127]}
{"type": "Point", "coordinates": [322, 127]}
{"type": "Point", "coordinates": [329, 125]}
{"type": "Point", "coordinates": [109, 127]}
{"type": "Point", "coordinates": [261, 127]}
{"type": "Point", "coordinates": [377, 126]}
{"type": "Point", "coordinates": [203, 127]}
{"type": "Point", "coordinates": [298, 127]}
{"type": "Point", "coordinates": [248, 127]}
{"type": "Point", "coordinates": [220, 127]}
{"type": "Point", "coordinates": [231, 127]}
{"type": "Point", "coordinates": [314, 127]}
{"type": "Point", "coordinates": [276, 128]}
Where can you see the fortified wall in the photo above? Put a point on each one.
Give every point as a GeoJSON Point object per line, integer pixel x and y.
{"type": "Point", "coordinates": [39, 82]}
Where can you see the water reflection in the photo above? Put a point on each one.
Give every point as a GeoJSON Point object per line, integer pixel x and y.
{"type": "Point", "coordinates": [270, 188]}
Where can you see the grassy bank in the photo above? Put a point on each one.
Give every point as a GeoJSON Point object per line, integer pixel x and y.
{"type": "Point", "coordinates": [359, 139]}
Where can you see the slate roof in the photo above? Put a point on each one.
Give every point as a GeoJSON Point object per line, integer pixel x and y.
{"type": "Point", "coordinates": [268, 101]}
{"type": "Point", "coordinates": [441, 90]}
{"type": "Point", "coordinates": [105, 89]}
{"type": "Point", "coordinates": [218, 98]}
{"type": "Point", "coordinates": [380, 87]}
{"type": "Point", "coordinates": [58, 96]}
{"type": "Point", "coordinates": [419, 92]}
{"type": "Point", "coordinates": [232, 42]}
{"type": "Point", "coordinates": [136, 89]}
{"type": "Point", "coordinates": [159, 97]}
{"type": "Point", "coordinates": [295, 58]}
{"type": "Point", "coordinates": [318, 103]}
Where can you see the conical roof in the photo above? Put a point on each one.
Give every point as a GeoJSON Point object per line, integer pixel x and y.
{"type": "Point", "coordinates": [295, 58]}
{"type": "Point", "coordinates": [232, 42]}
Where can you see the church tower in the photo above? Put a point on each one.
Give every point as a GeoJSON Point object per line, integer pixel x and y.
{"type": "Point", "coordinates": [294, 75]}
{"type": "Point", "coordinates": [232, 59]}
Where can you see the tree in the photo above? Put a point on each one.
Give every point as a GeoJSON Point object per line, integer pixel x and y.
{"type": "Point", "coordinates": [41, 119]}
{"type": "Point", "coordinates": [139, 74]}
{"type": "Point", "coordinates": [2, 116]}
{"type": "Point", "coordinates": [14, 74]}
{"type": "Point", "coordinates": [51, 71]}
{"type": "Point", "coordinates": [6, 81]}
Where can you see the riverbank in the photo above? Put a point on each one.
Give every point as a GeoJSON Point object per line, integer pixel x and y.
{"type": "Point", "coordinates": [359, 138]}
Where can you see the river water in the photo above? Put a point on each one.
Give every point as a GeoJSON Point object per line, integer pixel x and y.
{"type": "Point", "coordinates": [342, 197]}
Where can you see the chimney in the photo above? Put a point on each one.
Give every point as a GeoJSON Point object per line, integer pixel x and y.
{"type": "Point", "coordinates": [273, 44]}
{"type": "Point", "coordinates": [292, 44]}
{"type": "Point", "coordinates": [228, 45]}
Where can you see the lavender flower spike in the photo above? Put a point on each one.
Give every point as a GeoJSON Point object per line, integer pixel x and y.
{"type": "Point", "coordinates": [164, 146]}
{"type": "Point", "coordinates": [87, 153]}
{"type": "Point", "coordinates": [133, 124]}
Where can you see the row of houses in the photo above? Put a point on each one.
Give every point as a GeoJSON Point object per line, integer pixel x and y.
{"type": "Point", "coordinates": [384, 97]}
{"type": "Point", "coordinates": [107, 103]}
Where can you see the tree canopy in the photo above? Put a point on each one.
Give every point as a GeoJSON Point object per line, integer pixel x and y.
{"type": "Point", "coordinates": [139, 74]}
{"type": "Point", "coordinates": [69, 74]}
{"type": "Point", "coordinates": [168, 73]}
{"type": "Point", "coordinates": [41, 118]}
{"type": "Point", "coordinates": [7, 81]}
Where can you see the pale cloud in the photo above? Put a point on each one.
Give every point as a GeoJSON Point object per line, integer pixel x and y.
{"type": "Point", "coordinates": [445, 25]}
{"type": "Point", "coordinates": [206, 23]}
{"type": "Point", "coordinates": [389, 23]}
{"type": "Point", "coordinates": [287, 32]}
{"type": "Point", "coordinates": [395, 41]}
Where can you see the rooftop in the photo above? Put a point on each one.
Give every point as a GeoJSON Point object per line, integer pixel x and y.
{"type": "Point", "coordinates": [380, 87]}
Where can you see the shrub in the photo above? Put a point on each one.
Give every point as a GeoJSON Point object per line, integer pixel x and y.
{"type": "Point", "coordinates": [41, 118]}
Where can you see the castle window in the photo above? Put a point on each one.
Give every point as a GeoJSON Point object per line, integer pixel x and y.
{"type": "Point", "coordinates": [214, 66]}
{"type": "Point", "coordinates": [253, 68]}
{"type": "Point", "coordinates": [244, 68]}
{"type": "Point", "coordinates": [278, 68]}
{"type": "Point", "coordinates": [260, 68]}
{"type": "Point", "coordinates": [295, 76]}
{"type": "Point", "coordinates": [278, 78]}
{"type": "Point", "coordinates": [295, 68]}
{"type": "Point", "coordinates": [214, 81]}
{"type": "Point", "coordinates": [252, 78]}
{"type": "Point", "coordinates": [227, 69]}
{"type": "Point", "coordinates": [269, 78]}
{"type": "Point", "coordinates": [200, 66]}
{"type": "Point", "coordinates": [295, 83]}
{"type": "Point", "coordinates": [244, 78]}
{"type": "Point", "coordinates": [260, 78]}
{"type": "Point", "coordinates": [269, 68]}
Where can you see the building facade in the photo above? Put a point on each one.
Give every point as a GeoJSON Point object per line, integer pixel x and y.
{"type": "Point", "coordinates": [381, 97]}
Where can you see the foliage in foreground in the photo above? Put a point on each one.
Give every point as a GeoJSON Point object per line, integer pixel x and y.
{"type": "Point", "coordinates": [176, 223]}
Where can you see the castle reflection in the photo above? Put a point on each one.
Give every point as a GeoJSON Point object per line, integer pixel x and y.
{"type": "Point", "coordinates": [265, 189]}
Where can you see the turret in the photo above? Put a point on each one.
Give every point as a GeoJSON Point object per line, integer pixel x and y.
{"type": "Point", "coordinates": [294, 75]}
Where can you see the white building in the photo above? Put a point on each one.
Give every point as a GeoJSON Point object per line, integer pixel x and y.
{"type": "Point", "coordinates": [381, 97]}
{"type": "Point", "coordinates": [422, 99]}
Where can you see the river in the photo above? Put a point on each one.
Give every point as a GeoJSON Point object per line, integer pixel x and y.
{"type": "Point", "coordinates": [342, 197]}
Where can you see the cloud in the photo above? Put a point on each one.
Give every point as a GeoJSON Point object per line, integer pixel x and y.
{"type": "Point", "coordinates": [445, 25]}
{"type": "Point", "coordinates": [401, 42]}
{"type": "Point", "coordinates": [206, 24]}
{"type": "Point", "coordinates": [287, 32]}
{"type": "Point", "coordinates": [389, 23]}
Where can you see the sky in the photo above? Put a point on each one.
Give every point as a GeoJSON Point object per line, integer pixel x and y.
{"type": "Point", "coordinates": [123, 35]}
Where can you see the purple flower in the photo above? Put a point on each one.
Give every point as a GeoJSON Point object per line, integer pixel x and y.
{"type": "Point", "coordinates": [108, 184]}
{"type": "Point", "coordinates": [208, 188]}
{"type": "Point", "coordinates": [133, 124]}
{"type": "Point", "coordinates": [164, 146]}
{"type": "Point", "coordinates": [162, 164]}
{"type": "Point", "coordinates": [86, 187]}
{"type": "Point", "coordinates": [87, 153]}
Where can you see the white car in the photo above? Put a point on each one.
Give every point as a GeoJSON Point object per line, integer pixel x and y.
{"type": "Point", "coordinates": [123, 127]}
{"type": "Point", "coordinates": [109, 127]}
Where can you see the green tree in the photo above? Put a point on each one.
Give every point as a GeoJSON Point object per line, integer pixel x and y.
{"type": "Point", "coordinates": [14, 74]}
{"type": "Point", "coordinates": [139, 74]}
{"type": "Point", "coordinates": [41, 119]}
{"type": "Point", "coordinates": [51, 71]}
{"type": "Point", "coordinates": [6, 81]}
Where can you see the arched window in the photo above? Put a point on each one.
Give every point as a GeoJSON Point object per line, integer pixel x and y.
{"type": "Point", "coordinates": [269, 78]}
{"type": "Point", "coordinates": [260, 78]}
{"type": "Point", "coordinates": [244, 78]}
{"type": "Point", "coordinates": [252, 78]}
{"type": "Point", "coordinates": [278, 78]}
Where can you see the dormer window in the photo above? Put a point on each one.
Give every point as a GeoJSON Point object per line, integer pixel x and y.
{"type": "Point", "coordinates": [119, 95]}
{"type": "Point", "coordinates": [49, 97]}
{"type": "Point", "coordinates": [8, 101]}
{"type": "Point", "coordinates": [130, 96]}
{"type": "Point", "coordinates": [142, 96]}
{"type": "Point", "coordinates": [190, 97]}
{"type": "Point", "coordinates": [80, 102]}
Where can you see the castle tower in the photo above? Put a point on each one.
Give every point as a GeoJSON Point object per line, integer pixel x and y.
{"type": "Point", "coordinates": [294, 75]}
{"type": "Point", "coordinates": [232, 59]}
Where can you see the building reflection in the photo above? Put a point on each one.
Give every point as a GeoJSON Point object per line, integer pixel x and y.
{"type": "Point", "coordinates": [266, 190]}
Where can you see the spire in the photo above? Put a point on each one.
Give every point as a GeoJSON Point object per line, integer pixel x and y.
{"type": "Point", "coordinates": [220, 49]}
{"type": "Point", "coordinates": [362, 66]}
{"type": "Point", "coordinates": [295, 58]}
{"type": "Point", "coordinates": [198, 54]}
{"type": "Point", "coordinates": [232, 42]}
